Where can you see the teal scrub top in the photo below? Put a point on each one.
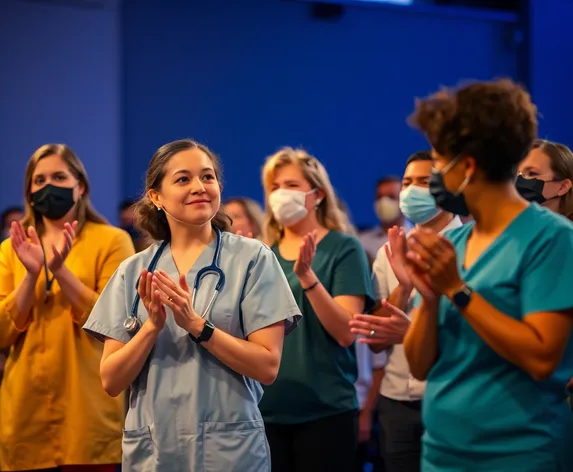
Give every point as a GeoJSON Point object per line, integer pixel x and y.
{"type": "Point", "coordinates": [481, 412]}
{"type": "Point", "coordinates": [316, 377]}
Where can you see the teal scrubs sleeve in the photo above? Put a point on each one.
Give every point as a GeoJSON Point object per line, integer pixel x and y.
{"type": "Point", "coordinates": [267, 297]}
{"type": "Point", "coordinates": [545, 285]}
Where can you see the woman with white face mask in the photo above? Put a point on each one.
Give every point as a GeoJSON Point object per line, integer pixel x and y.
{"type": "Point", "coordinates": [310, 411]}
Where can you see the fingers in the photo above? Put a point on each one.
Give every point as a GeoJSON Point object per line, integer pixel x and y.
{"type": "Point", "coordinates": [183, 283]}
{"type": "Point", "coordinates": [55, 253]}
{"type": "Point", "coordinates": [144, 286]}
{"type": "Point", "coordinates": [394, 310]}
{"type": "Point", "coordinates": [249, 235]}
{"type": "Point", "coordinates": [32, 234]}
{"type": "Point", "coordinates": [15, 236]}
{"type": "Point", "coordinates": [166, 286]}
{"type": "Point", "coordinates": [239, 232]}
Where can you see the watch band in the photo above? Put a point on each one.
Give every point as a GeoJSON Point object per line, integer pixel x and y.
{"type": "Point", "coordinates": [205, 335]}
{"type": "Point", "coordinates": [462, 297]}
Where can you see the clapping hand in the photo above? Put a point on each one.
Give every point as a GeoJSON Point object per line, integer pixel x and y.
{"type": "Point", "coordinates": [178, 298]}
{"type": "Point", "coordinates": [151, 298]}
{"type": "Point", "coordinates": [396, 254]}
{"type": "Point", "coordinates": [306, 254]}
{"type": "Point", "coordinates": [387, 330]}
{"type": "Point", "coordinates": [434, 256]}
{"type": "Point", "coordinates": [29, 252]}
{"type": "Point", "coordinates": [61, 251]}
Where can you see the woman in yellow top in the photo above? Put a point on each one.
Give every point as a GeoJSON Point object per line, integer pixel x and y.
{"type": "Point", "coordinates": [54, 413]}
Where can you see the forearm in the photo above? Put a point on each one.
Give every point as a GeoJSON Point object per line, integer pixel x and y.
{"type": "Point", "coordinates": [331, 315]}
{"type": "Point", "coordinates": [400, 297]}
{"type": "Point", "coordinates": [121, 368]}
{"type": "Point", "coordinates": [421, 341]}
{"type": "Point", "coordinates": [81, 298]}
{"type": "Point", "coordinates": [374, 391]}
{"type": "Point", "coordinates": [25, 299]}
{"type": "Point", "coordinates": [514, 340]}
{"type": "Point", "coordinates": [244, 357]}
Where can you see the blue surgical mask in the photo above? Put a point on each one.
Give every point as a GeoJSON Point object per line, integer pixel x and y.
{"type": "Point", "coordinates": [418, 205]}
{"type": "Point", "coordinates": [452, 202]}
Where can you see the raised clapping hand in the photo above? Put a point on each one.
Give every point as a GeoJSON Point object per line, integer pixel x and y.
{"type": "Point", "coordinates": [61, 251]}
{"type": "Point", "coordinates": [433, 262]}
{"type": "Point", "coordinates": [30, 251]}
{"type": "Point", "coordinates": [151, 298]}
{"type": "Point", "coordinates": [178, 298]}
{"type": "Point", "coordinates": [396, 254]}
{"type": "Point", "coordinates": [306, 254]}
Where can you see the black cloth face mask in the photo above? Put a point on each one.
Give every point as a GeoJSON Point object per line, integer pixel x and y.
{"type": "Point", "coordinates": [53, 202]}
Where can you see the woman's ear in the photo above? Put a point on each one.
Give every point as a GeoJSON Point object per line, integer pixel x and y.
{"type": "Point", "coordinates": [565, 187]}
{"type": "Point", "coordinates": [320, 194]}
{"type": "Point", "coordinates": [154, 197]}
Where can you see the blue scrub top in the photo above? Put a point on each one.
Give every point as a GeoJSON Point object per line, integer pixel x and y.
{"type": "Point", "coordinates": [187, 410]}
{"type": "Point", "coordinates": [480, 411]}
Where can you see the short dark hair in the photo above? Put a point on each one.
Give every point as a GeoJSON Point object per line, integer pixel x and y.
{"type": "Point", "coordinates": [387, 179]}
{"type": "Point", "coordinates": [419, 156]}
{"type": "Point", "coordinates": [493, 122]}
{"type": "Point", "coordinates": [8, 211]}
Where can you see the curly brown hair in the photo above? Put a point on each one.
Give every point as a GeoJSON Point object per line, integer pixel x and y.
{"type": "Point", "coordinates": [494, 122]}
{"type": "Point", "coordinates": [147, 217]}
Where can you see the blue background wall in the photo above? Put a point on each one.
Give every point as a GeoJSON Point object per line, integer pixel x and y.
{"type": "Point", "coordinates": [247, 77]}
{"type": "Point", "coordinates": [60, 81]}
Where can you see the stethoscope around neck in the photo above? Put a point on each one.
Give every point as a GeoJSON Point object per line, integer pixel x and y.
{"type": "Point", "coordinates": [132, 323]}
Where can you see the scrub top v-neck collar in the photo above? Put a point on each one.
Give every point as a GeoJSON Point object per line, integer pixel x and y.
{"type": "Point", "coordinates": [496, 242]}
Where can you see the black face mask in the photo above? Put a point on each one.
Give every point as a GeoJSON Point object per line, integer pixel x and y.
{"type": "Point", "coordinates": [531, 189]}
{"type": "Point", "coordinates": [454, 203]}
{"type": "Point", "coordinates": [53, 202]}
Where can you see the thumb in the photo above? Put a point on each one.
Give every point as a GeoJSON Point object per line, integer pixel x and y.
{"type": "Point", "coordinates": [183, 283]}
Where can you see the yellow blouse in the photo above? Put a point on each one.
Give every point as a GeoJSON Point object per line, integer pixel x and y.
{"type": "Point", "coordinates": [53, 408]}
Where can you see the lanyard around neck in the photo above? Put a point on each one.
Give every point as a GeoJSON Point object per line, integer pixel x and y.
{"type": "Point", "coordinates": [49, 282]}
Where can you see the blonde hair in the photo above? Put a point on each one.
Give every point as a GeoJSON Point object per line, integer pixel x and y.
{"type": "Point", "coordinates": [329, 214]}
{"type": "Point", "coordinates": [84, 209]}
{"type": "Point", "coordinates": [254, 213]}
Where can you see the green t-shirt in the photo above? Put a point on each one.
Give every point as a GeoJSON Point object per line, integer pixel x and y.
{"type": "Point", "coordinates": [316, 377]}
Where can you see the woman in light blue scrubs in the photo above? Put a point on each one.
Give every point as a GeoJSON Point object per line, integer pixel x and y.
{"type": "Point", "coordinates": [194, 368]}
{"type": "Point", "coordinates": [492, 335]}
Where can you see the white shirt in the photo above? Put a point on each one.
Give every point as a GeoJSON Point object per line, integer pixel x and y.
{"type": "Point", "coordinates": [398, 383]}
{"type": "Point", "coordinates": [374, 238]}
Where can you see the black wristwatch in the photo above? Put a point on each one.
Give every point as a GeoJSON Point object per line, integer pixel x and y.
{"type": "Point", "coordinates": [205, 334]}
{"type": "Point", "coordinates": [462, 297]}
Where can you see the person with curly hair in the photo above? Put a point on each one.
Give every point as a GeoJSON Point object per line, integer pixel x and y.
{"type": "Point", "coordinates": [491, 333]}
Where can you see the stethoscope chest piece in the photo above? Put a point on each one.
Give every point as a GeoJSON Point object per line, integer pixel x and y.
{"type": "Point", "coordinates": [131, 324]}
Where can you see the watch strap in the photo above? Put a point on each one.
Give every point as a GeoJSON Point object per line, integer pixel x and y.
{"type": "Point", "coordinates": [205, 335]}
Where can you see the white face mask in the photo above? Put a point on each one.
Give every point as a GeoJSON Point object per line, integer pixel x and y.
{"type": "Point", "coordinates": [288, 206]}
{"type": "Point", "coordinates": [387, 209]}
